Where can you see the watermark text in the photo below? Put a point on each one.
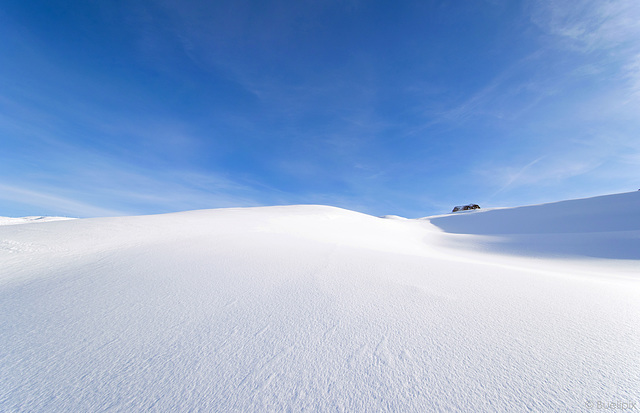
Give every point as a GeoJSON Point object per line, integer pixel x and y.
{"type": "Point", "coordinates": [612, 405]}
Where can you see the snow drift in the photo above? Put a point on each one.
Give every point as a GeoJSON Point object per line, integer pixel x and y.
{"type": "Point", "coordinates": [313, 308]}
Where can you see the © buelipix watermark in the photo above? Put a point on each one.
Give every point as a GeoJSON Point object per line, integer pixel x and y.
{"type": "Point", "coordinates": [612, 405]}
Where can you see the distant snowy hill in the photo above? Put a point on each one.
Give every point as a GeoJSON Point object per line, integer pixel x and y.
{"type": "Point", "coordinates": [315, 308]}
{"type": "Point", "coordinates": [604, 226]}
{"type": "Point", "coordinates": [29, 220]}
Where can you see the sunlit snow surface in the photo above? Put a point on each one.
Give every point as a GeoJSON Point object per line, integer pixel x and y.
{"type": "Point", "coordinates": [314, 308]}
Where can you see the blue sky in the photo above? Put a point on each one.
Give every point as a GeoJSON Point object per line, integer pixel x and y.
{"type": "Point", "coordinates": [407, 108]}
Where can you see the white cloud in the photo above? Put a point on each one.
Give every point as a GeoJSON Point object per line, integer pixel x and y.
{"type": "Point", "coordinates": [99, 189]}
{"type": "Point", "coordinates": [48, 202]}
{"type": "Point", "coordinates": [605, 33]}
{"type": "Point", "coordinates": [589, 24]}
{"type": "Point", "coordinates": [543, 171]}
{"type": "Point", "coordinates": [600, 163]}
{"type": "Point", "coordinates": [631, 73]}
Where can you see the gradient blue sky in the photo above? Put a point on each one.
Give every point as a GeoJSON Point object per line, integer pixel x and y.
{"type": "Point", "coordinates": [384, 107]}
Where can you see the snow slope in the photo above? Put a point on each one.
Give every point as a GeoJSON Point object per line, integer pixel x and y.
{"type": "Point", "coordinates": [604, 227]}
{"type": "Point", "coordinates": [28, 220]}
{"type": "Point", "coordinates": [314, 308]}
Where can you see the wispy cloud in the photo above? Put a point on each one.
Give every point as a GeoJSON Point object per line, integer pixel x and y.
{"type": "Point", "coordinates": [550, 172]}
{"type": "Point", "coordinates": [606, 35]}
{"type": "Point", "coordinates": [515, 90]}
{"type": "Point", "coordinates": [47, 201]}
{"type": "Point", "coordinates": [103, 188]}
{"type": "Point", "coordinates": [513, 176]}
{"type": "Point", "coordinates": [589, 25]}
{"type": "Point", "coordinates": [631, 73]}
{"type": "Point", "coordinates": [605, 32]}
{"type": "Point", "coordinates": [595, 160]}
{"type": "Point", "coordinates": [79, 178]}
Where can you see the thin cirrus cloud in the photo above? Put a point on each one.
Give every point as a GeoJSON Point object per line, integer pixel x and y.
{"type": "Point", "coordinates": [591, 83]}
{"type": "Point", "coordinates": [542, 171]}
{"type": "Point", "coordinates": [587, 24]}
{"type": "Point", "coordinates": [33, 199]}
{"type": "Point", "coordinates": [173, 190]}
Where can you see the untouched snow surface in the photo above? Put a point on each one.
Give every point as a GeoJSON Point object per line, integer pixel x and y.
{"type": "Point", "coordinates": [314, 308]}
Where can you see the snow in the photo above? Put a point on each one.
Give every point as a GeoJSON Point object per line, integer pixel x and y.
{"type": "Point", "coordinates": [29, 220]}
{"type": "Point", "coordinates": [315, 308]}
{"type": "Point", "coordinates": [600, 227]}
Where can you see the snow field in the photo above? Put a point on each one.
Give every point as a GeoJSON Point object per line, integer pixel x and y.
{"type": "Point", "coordinates": [312, 308]}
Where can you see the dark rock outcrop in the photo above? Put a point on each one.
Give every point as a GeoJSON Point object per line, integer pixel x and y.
{"type": "Point", "coordinates": [465, 207]}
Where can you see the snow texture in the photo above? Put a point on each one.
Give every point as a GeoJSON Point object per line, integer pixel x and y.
{"type": "Point", "coordinates": [315, 308]}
